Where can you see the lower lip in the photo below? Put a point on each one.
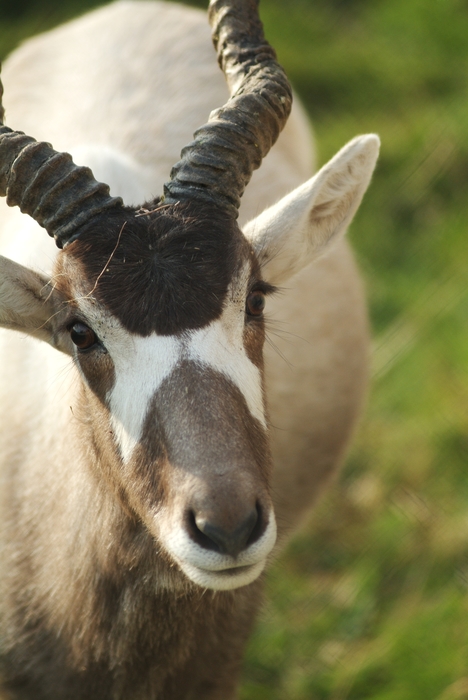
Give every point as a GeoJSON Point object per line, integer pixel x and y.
{"type": "Point", "coordinates": [232, 572]}
{"type": "Point", "coordinates": [224, 579]}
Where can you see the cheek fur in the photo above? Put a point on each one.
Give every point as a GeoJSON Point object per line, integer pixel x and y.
{"type": "Point", "coordinates": [98, 370]}
{"type": "Point", "coordinates": [254, 340]}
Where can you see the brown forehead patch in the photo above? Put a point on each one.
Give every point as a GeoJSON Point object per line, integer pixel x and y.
{"type": "Point", "coordinates": [165, 272]}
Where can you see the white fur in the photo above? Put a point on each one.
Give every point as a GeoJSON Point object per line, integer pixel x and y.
{"type": "Point", "coordinates": [213, 347]}
{"type": "Point", "coordinates": [141, 365]}
{"type": "Point", "coordinates": [220, 346]}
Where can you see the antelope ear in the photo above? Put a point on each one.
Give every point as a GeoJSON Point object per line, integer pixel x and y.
{"type": "Point", "coordinates": [303, 225]}
{"type": "Point", "coordinates": [28, 302]}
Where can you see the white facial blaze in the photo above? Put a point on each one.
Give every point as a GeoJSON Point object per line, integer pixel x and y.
{"type": "Point", "coordinates": [220, 347]}
{"type": "Point", "coordinates": [142, 364]}
{"type": "Point", "coordinates": [138, 374]}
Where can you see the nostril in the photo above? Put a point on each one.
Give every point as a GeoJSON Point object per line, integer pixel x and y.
{"type": "Point", "coordinates": [198, 535]}
{"type": "Point", "coordinates": [212, 535]}
{"type": "Point", "coordinates": [259, 527]}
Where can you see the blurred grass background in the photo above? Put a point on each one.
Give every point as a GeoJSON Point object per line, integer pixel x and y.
{"type": "Point", "coordinates": [370, 601]}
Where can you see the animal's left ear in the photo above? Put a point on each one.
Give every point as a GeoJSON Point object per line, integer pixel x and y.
{"type": "Point", "coordinates": [301, 227]}
{"type": "Point", "coordinates": [28, 302]}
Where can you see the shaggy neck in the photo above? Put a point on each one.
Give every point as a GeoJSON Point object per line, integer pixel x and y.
{"type": "Point", "coordinates": [109, 608]}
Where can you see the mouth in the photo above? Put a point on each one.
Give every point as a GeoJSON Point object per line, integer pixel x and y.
{"type": "Point", "coordinates": [216, 571]}
{"type": "Point", "coordinates": [235, 570]}
{"type": "Point", "coordinates": [223, 579]}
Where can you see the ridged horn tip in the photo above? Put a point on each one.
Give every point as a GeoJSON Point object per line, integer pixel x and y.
{"type": "Point", "coordinates": [218, 164]}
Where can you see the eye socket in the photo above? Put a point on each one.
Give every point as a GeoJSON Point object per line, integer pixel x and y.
{"type": "Point", "coordinates": [82, 336]}
{"type": "Point", "coordinates": [255, 303]}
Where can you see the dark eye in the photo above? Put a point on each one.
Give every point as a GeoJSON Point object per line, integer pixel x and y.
{"type": "Point", "coordinates": [255, 303]}
{"type": "Point", "coordinates": [82, 335]}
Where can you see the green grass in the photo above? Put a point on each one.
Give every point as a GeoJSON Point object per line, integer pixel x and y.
{"type": "Point", "coordinates": [370, 601]}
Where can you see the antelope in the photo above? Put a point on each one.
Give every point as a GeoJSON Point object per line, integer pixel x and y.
{"type": "Point", "coordinates": [144, 481]}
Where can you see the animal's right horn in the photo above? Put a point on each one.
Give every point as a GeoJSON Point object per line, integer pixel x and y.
{"type": "Point", "coordinates": [218, 164]}
{"type": "Point", "coordinates": [47, 185]}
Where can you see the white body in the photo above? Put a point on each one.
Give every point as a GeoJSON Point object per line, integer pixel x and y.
{"type": "Point", "coordinates": [316, 360]}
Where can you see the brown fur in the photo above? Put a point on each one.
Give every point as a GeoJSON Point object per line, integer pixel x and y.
{"type": "Point", "coordinates": [99, 625]}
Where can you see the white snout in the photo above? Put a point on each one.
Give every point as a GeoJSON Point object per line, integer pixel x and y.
{"type": "Point", "coordinates": [220, 572]}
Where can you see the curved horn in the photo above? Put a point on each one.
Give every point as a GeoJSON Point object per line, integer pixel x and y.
{"type": "Point", "coordinates": [47, 185]}
{"type": "Point", "coordinates": [218, 164]}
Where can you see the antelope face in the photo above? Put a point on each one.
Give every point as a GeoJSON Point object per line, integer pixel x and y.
{"type": "Point", "coordinates": [165, 316]}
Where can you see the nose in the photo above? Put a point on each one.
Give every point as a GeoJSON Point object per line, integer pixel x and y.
{"type": "Point", "coordinates": [225, 535]}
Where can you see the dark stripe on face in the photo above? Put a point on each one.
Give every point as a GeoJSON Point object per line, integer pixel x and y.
{"type": "Point", "coordinates": [98, 368]}
{"type": "Point", "coordinates": [207, 431]}
{"type": "Point", "coordinates": [167, 272]}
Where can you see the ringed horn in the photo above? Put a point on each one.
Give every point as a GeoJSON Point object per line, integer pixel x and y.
{"type": "Point", "coordinates": [215, 168]}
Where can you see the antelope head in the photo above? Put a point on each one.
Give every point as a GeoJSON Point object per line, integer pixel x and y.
{"type": "Point", "coordinates": [161, 308]}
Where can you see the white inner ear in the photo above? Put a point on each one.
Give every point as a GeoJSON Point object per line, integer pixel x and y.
{"type": "Point", "coordinates": [301, 226]}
